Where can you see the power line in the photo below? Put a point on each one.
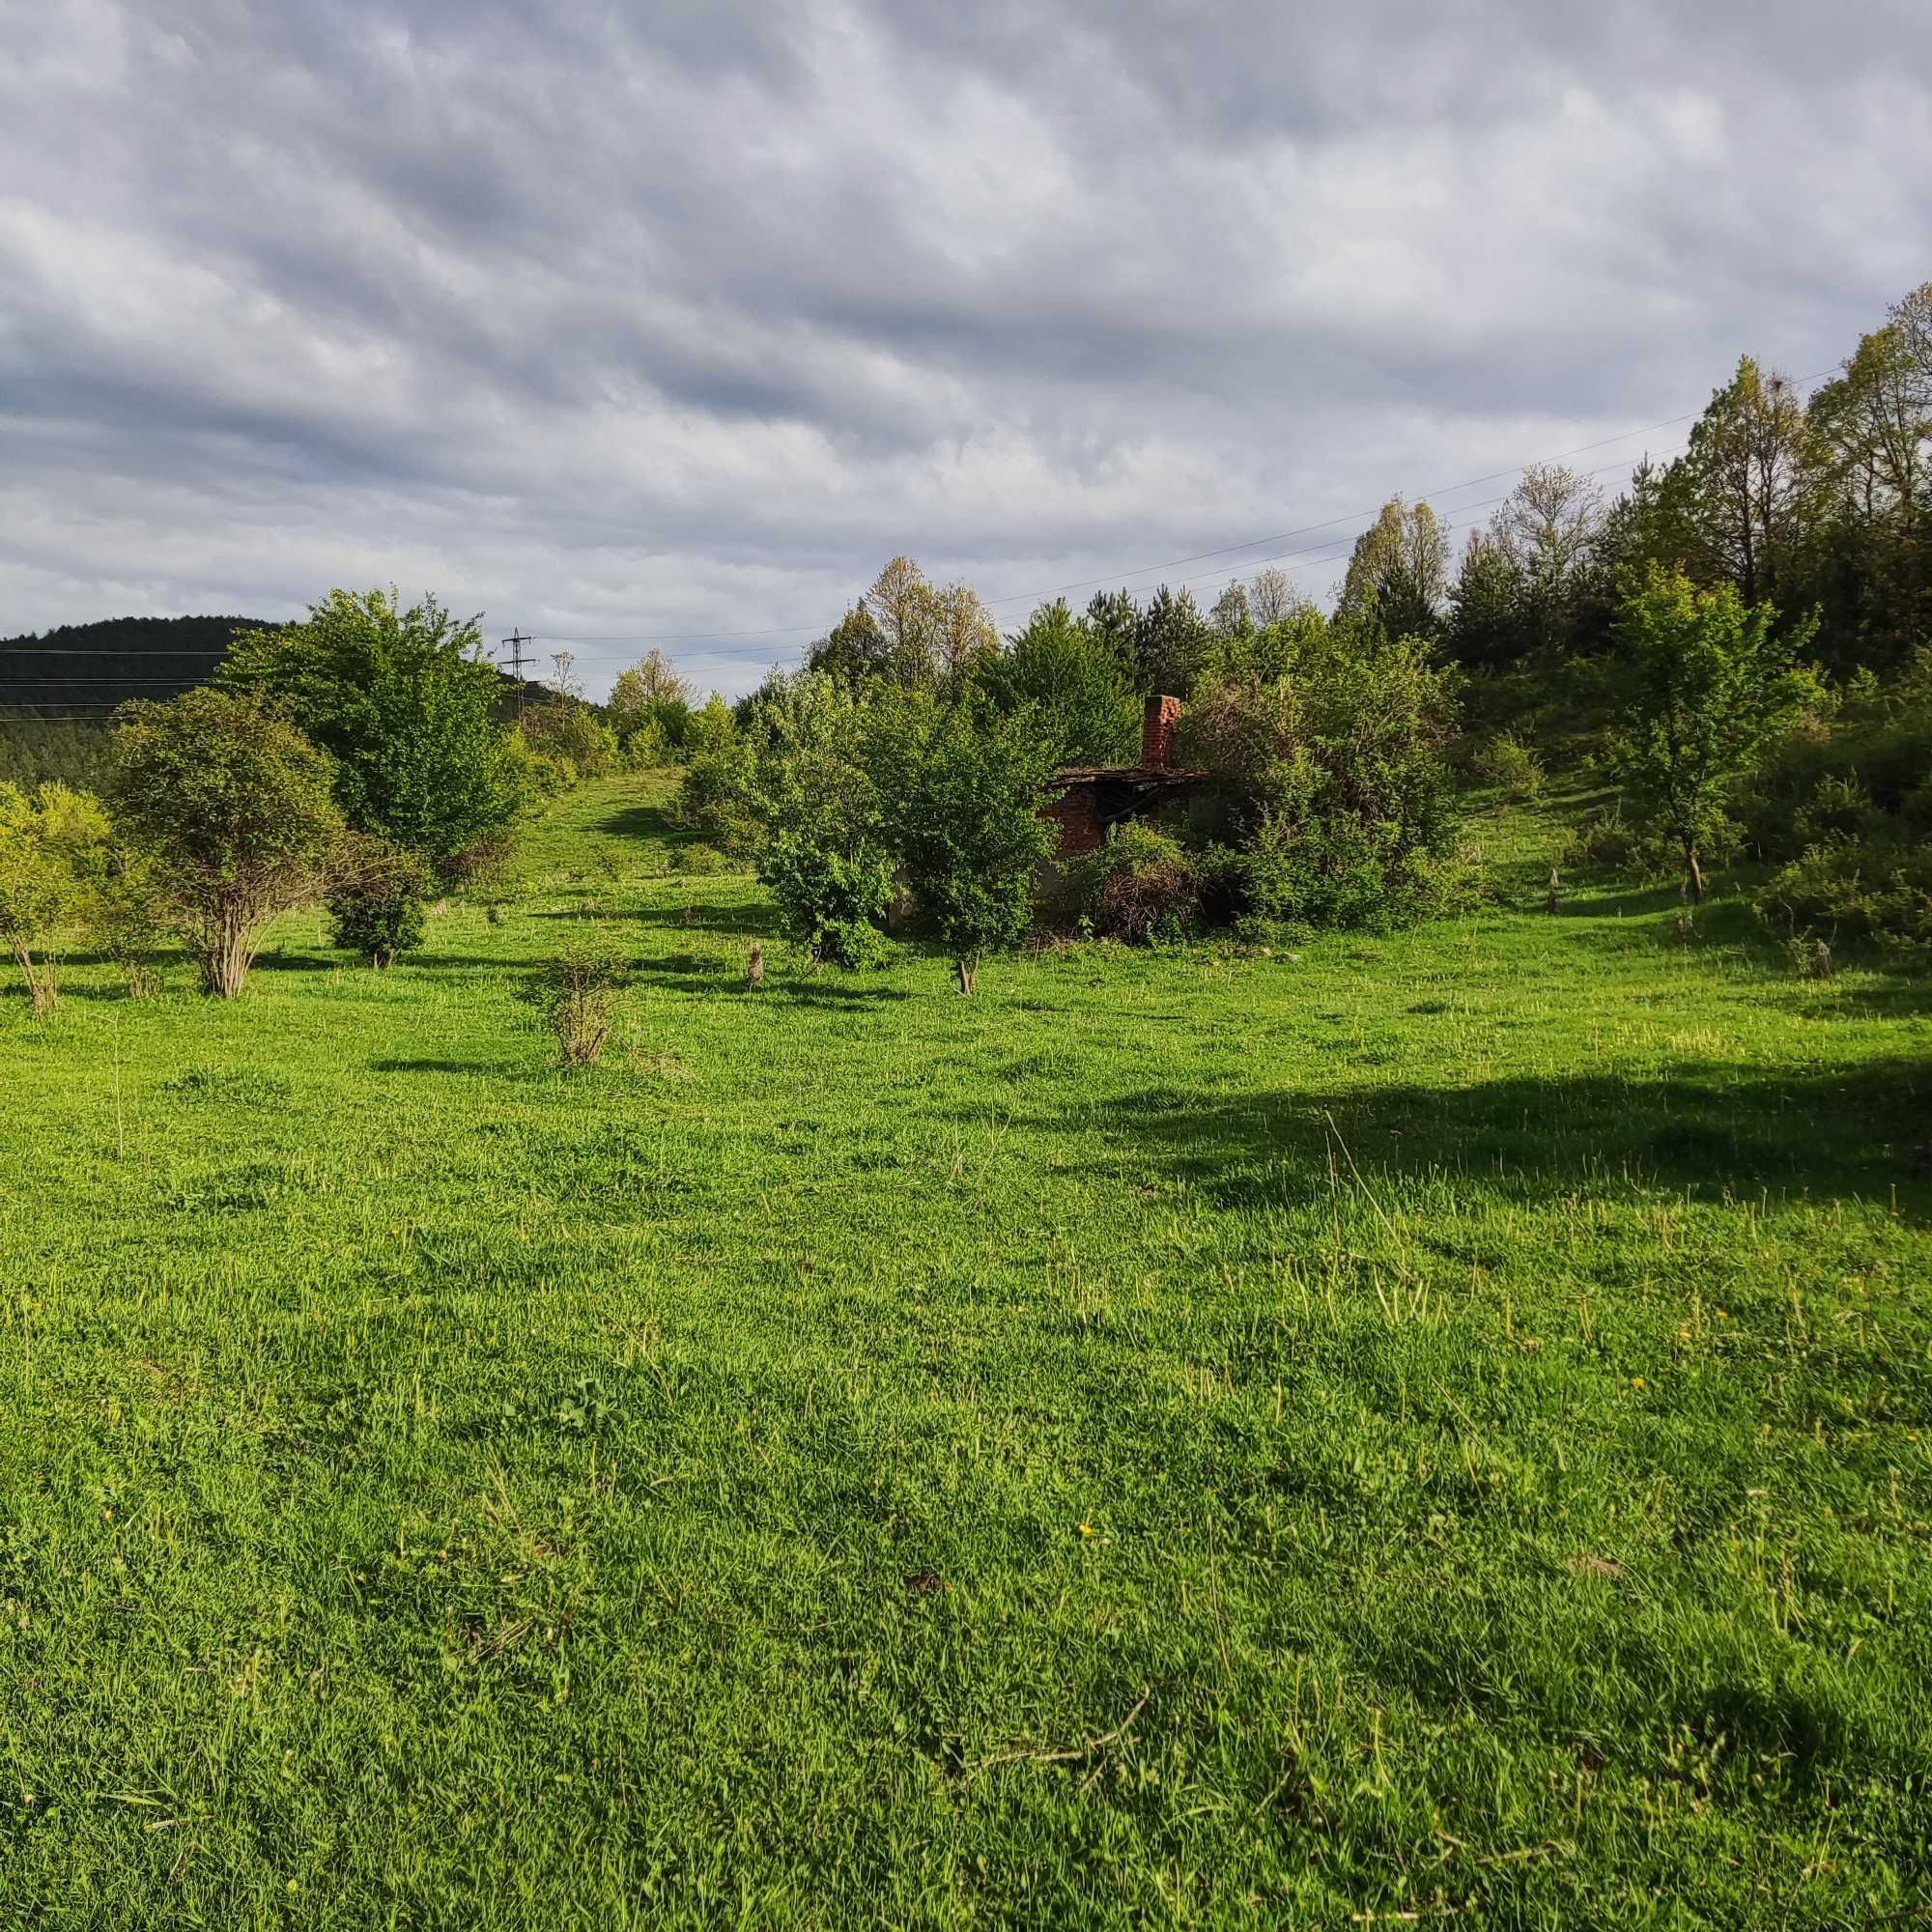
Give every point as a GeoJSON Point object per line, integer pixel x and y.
{"type": "Point", "coordinates": [730, 647]}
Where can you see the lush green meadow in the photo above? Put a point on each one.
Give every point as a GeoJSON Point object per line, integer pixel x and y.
{"type": "Point", "coordinates": [1411, 1427]}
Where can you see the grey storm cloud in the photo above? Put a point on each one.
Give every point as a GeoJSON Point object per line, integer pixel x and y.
{"type": "Point", "coordinates": [681, 319]}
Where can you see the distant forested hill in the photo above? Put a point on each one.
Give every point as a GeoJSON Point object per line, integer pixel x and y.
{"type": "Point", "coordinates": [58, 690]}
{"type": "Point", "coordinates": [79, 672]}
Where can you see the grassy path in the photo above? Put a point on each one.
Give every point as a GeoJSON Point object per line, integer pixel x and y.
{"type": "Point", "coordinates": [1437, 1425]}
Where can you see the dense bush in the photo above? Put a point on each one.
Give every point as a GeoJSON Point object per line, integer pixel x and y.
{"type": "Point", "coordinates": [1333, 776]}
{"type": "Point", "coordinates": [716, 799]}
{"type": "Point", "coordinates": [126, 922]}
{"type": "Point", "coordinates": [1511, 766]}
{"type": "Point", "coordinates": [1846, 806]}
{"type": "Point", "coordinates": [379, 903]}
{"type": "Point", "coordinates": [833, 902]}
{"type": "Point", "coordinates": [53, 848]}
{"type": "Point", "coordinates": [569, 739]}
{"type": "Point", "coordinates": [236, 810]}
{"type": "Point", "coordinates": [1877, 886]}
{"type": "Point", "coordinates": [1142, 886]}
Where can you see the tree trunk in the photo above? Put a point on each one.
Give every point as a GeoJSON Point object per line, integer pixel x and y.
{"type": "Point", "coordinates": [969, 975]}
{"type": "Point", "coordinates": [42, 980]}
{"type": "Point", "coordinates": [224, 966]}
{"type": "Point", "coordinates": [1693, 873]}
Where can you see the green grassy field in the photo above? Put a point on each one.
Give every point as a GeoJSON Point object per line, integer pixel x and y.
{"type": "Point", "coordinates": [1423, 1428]}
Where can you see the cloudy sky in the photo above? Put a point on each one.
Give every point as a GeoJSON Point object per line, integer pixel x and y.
{"type": "Point", "coordinates": [628, 323]}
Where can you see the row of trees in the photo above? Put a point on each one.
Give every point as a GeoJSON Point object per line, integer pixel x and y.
{"type": "Point", "coordinates": [353, 757]}
{"type": "Point", "coordinates": [886, 779]}
{"type": "Point", "coordinates": [1818, 504]}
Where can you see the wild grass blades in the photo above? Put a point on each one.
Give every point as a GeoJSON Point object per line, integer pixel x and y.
{"type": "Point", "coordinates": [1474, 1379]}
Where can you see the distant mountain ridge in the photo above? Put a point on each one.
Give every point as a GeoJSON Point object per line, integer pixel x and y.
{"type": "Point", "coordinates": [81, 671]}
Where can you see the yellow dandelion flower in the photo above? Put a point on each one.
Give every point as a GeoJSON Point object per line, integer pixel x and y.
{"type": "Point", "coordinates": [1087, 1529]}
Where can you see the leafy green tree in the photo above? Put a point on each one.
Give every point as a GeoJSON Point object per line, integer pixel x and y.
{"type": "Point", "coordinates": [967, 634]}
{"type": "Point", "coordinates": [960, 798]}
{"type": "Point", "coordinates": [1115, 620]}
{"type": "Point", "coordinates": [1740, 490]}
{"type": "Point", "coordinates": [825, 856]}
{"type": "Point", "coordinates": [1489, 606]}
{"type": "Point", "coordinates": [1172, 641]}
{"type": "Point", "coordinates": [1232, 617]}
{"type": "Point", "coordinates": [715, 800]}
{"type": "Point", "coordinates": [650, 696]}
{"type": "Point", "coordinates": [852, 652]}
{"type": "Point", "coordinates": [1713, 687]}
{"type": "Point", "coordinates": [1398, 572]}
{"type": "Point", "coordinates": [1331, 755]}
{"type": "Point", "coordinates": [1069, 678]}
{"type": "Point", "coordinates": [235, 809]}
{"type": "Point", "coordinates": [402, 701]}
{"type": "Point", "coordinates": [53, 854]}
{"type": "Point", "coordinates": [1272, 598]}
{"type": "Point", "coordinates": [1870, 451]}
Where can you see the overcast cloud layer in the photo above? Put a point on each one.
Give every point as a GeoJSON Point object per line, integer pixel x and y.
{"type": "Point", "coordinates": [621, 320]}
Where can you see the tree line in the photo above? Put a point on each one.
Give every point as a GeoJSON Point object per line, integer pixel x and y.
{"type": "Point", "coordinates": [1737, 644]}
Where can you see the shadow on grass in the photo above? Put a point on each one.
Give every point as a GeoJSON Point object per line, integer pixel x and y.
{"type": "Point", "coordinates": [646, 821]}
{"type": "Point", "coordinates": [740, 922]}
{"type": "Point", "coordinates": [1857, 1131]}
{"type": "Point", "coordinates": [687, 974]}
{"type": "Point", "coordinates": [748, 922]}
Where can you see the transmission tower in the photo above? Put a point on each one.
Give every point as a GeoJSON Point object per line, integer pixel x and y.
{"type": "Point", "coordinates": [516, 641]}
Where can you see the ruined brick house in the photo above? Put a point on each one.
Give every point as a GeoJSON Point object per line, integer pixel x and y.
{"type": "Point", "coordinates": [1083, 801]}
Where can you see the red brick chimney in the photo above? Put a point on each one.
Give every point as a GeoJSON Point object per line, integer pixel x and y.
{"type": "Point", "coordinates": [1157, 722]}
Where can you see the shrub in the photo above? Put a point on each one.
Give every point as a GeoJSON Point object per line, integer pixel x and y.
{"type": "Point", "coordinates": [698, 860]}
{"type": "Point", "coordinates": [646, 746]}
{"type": "Point", "coordinates": [1140, 887]}
{"type": "Point", "coordinates": [53, 848]}
{"type": "Point", "coordinates": [1333, 771]}
{"type": "Point", "coordinates": [378, 903]}
{"type": "Point", "coordinates": [825, 855]}
{"type": "Point", "coordinates": [1857, 889]}
{"type": "Point", "coordinates": [715, 801]}
{"type": "Point", "coordinates": [482, 860]}
{"type": "Point", "coordinates": [127, 923]}
{"type": "Point", "coordinates": [1846, 805]}
{"type": "Point", "coordinates": [569, 738]}
{"type": "Point", "coordinates": [1513, 767]}
{"type": "Point", "coordinates": [832, 901]}
{"type": "Point", "coordinates": [575, 995]}
{"type": "Point", "coordinates": [233, 807]}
